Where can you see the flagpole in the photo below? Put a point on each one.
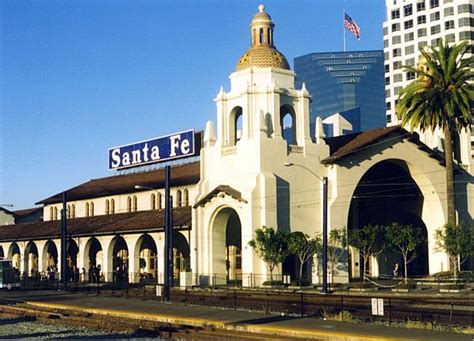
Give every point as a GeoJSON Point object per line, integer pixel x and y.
{"type": "Point", "coordinates": [343, 29]}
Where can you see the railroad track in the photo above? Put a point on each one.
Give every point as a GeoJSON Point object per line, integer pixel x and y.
{"type": "Point", "coordinates": [137, 328]}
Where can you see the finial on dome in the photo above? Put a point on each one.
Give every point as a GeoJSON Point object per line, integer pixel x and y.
{"type": "Point", "coordinates": [261, 8]}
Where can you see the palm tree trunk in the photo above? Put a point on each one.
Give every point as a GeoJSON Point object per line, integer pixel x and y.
{"type": "Point", "coordinates": [448, 155]}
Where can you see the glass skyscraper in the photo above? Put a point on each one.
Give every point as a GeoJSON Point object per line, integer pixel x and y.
{"type": "Point", "coordinates": [350, 83]}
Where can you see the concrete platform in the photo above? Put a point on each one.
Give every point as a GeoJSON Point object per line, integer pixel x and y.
{"type": "Point", "coordinates": [173, 313]}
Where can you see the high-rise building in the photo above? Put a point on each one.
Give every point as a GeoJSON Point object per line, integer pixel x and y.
{"type": "Point", "coordinates": [348, 83]}
{"type": "Point", "coordinates": [413, 24]}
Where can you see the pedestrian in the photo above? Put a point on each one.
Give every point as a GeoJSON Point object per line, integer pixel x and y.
{"type": "Point", "coordinates": [396, 270]}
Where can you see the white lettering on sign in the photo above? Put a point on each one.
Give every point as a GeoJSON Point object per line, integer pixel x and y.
{"type": "Point", "coordinates": [155, 153]}
{"type": "Point", "coordinates": [174, 144]}
{"type": "Point", "coordinates": [115, 157]}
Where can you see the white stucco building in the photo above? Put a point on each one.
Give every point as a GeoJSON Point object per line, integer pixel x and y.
{"type": "Point", "coordinates": [242, 182]}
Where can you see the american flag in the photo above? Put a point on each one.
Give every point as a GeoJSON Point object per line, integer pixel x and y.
{"type": "Point", "coordinates": [351, 26]}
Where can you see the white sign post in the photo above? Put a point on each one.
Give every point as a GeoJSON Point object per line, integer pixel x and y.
{"type": "Point", "coordinates": [377, 306]}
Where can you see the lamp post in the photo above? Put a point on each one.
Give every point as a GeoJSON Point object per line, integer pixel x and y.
{"type": "Point", "coordinates": [324, 181]}
{"type": "Point", "coordinates": [63, 236]}
{"type": "Point", "coordinates": [168, 249]}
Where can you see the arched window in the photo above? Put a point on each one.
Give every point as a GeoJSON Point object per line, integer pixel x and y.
{"type": "Point", "coordinates": [159, 201]}
{"type": "Point", "coordinates": [236, 126]}
{"type": "Point", "coordinates": [186, 197]}
{"type": "Point", "coordinates": [129, 204]}
{"type": "Point", "coordinates": [152, 201]}
{"type": "Point", "coordinates": [107, 206]}
{"type": "Point", "coordinates": [68, 211]}
{"type": "Point", "coordinates": [87, 209]}
{"type": "Point", "coordinates": [55, 213]}
{"type": "Point", "coordinates": [73, 211]}
{"type": "Point", "coordinates": [288, 124]}
{"type": "Point", "coordinates": [51, 213]}
{"type": "Point", "coordinates": [92, 209]}
{"type": "Point", "coordinates": [112, 206]}
{"type": "Point", "coordinates": [261, 36]}
{"type": "Point", "coordinates": [179, 198]}
{"type": "Point", "coordinates": [135, 203]}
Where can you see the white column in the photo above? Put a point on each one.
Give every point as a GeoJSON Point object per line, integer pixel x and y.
{"type": "Point", "coordinates": [107, 262]}
{"type": "Point", "coordinates": [40, 244]}
{"type": "Point", "coordinates": [160, 250]}
{"type": "Point", "coordinates": [133, 257]}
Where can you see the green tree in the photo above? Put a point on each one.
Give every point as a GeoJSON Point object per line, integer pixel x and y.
{"type": "Point", "coordinates": [337, 244]}
{"type": "Point", "coordinates": [404, 239]}
{"type": "Point", "coordinates": [440, 98]}
{"type": "Point", "coordinates": [369, 241]}
{"type": "Point", "coordinates": [304, 247]}
{"type": "Point", "coordinates": [457, 242]}
{"type": "Point", "coordinates": [271, 246]}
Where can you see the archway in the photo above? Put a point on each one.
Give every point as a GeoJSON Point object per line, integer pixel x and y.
{"type": "Point", "coordinates": [181, 260]}
{"type": "Point", "coordinates": [31, 260]}
{"type": "Point", "coordinates": [93, 258]}
{"type": "Point", "coordinates": [227, 247]}
{"type": "Point", "coordinates": [236, 125]}
{"type": "Point", "coordinates": [2, 255]}
{"type": "Point", "coordinates": [291, 267]}
{"type": "Point", "coordinates": [50, 256]}
{"type": "Point", "coordinates": [145, 258]}
{"type": "Point", "coordinates": [387, 193]}
{"type": "Point", "coordinates": [288, 124]}
{"type": "Point", "coordinates": [14, 255]}
{"type": "Point", "coordinates": [118, 259]}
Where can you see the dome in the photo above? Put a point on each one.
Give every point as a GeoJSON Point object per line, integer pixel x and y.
{"type": "Point", "coordinates": [262, 53]}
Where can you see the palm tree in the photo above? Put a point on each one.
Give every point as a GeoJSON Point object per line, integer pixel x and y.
{"type": "Point", "coordinates": [440, 97]}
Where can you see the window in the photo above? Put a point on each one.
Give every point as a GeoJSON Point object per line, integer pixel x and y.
{"type": "Point", "coordinates": [450, 38]}
{"type": "Point", "coordinates": [68, 212]}
{"type": "Point", "coordinates": [387, 80]}
{"type": "Point", "coordinates": [179, 198]}
{"type": "Point", "coordinates": [385, 31]}
{"type": "Point", "coordinates": [434, 3]}
{"type": "Point", "coordinates": [385, 44]}
{"type": "Point", "coordinates": [386, 55]}
{"type": "Point", "coordinates": [135, 203]}
{"type": "Point", "coordinates": [87, 209]}
{"type": "Point", "coordinates": [422, 44]}
{"type": "Point", "coordinates": [129, 204]}
{"type": "Point", "coordinates": [410, 62]}
{"type": "Point", "coordinates": [421, 19]}
{"type": "Point", "coordinates": [410, 75]}
{"type": "Point", "coordinates": [434, 16]}
{"type": "Point", "coordinates": [420, 6]}
{"type": "Point", "coordinates": [159, 201]}
{"type": "Point", "coordinates": [397, 65]}
{"type": "Point", "coordinates": [467, 8]}
{"type": "Point", "coordinates": [186, 197]}
{"type": "Point", "coordinates": [388, 105]}
{"type": "Point", "coordinates": [448, 11]}
{"type": "Point", "coordinates": [397, 90]}
{"type": "Point", "coordinates": [397, 52]}
{"type": "Point", "coordinates": [465, 22]}
{"type": "Point", "coordinates": [435, 42]}
{"type": "Point", "coordinates": [387, 68]}
{"type": "Point", "coordinates": [435, 29]}
{"type": "Point", "coordinates": [447, 1]}
{"type": "Point", "coordinates": [448, 25]}
{"type": "Point", "coordinates": [51, 213]}
{"type": "Point", "coordinates": [389, 118]}
{"type": "Point", "coordinates": [395, 27]}
{"type": "Point", "coordinates": [408, 24]}
{"type": "Point", "coordinates": [73, 211]}
{"type": "Point", "coordinates": [396, 14]}
{"type": "Point", "coordinates": [422, 32]}
{"type": "Point", "coordinates": [112, 206]}
{"type": "Point", "coordinates": [466, 35]}
{"type": "Point", "coordinates": [409, 36]}
{"type": "Point", "coordinates": [92, 208]}
{"type": "Point", "coordinates": [408, 10]}
{"type": "Point", "coordinates": [396, 40]}
{"type": "Point", "coordinates": [152, 201]}
{"type": "Point", "coordinates": [410, 49]}
{"type": "Point", "coordinates": [387, 93]}
{"type": "Point", "coordinates": [398, 78]}
{"type": "Point", "coordinates": [55, 213]}
{"type": "Point", "coordinates": [107, 206]}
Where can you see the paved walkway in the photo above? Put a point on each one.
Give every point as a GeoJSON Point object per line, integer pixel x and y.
{"type": "Point", "coordinates": [283, 326]}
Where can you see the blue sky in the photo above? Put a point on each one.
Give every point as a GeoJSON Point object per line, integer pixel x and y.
{"type": "Point", "coordinates": [79, 77]}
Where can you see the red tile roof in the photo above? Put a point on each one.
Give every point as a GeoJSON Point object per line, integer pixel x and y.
{"type": "Point", "coordinates": [133, 222]}
{"type": "Point", "coordinates": [120, 184]}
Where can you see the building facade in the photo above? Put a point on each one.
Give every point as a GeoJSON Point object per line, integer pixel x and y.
{"type": "Point", "coordinates": [243, 181]}
{"type": "Point", "coordinates": [348, 83]}
{"type": "Point", "coordinates": [411, 25]}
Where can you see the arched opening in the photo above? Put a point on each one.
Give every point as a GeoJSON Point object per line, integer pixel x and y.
{"type": "Point", "coordinates": [92, 209]}
{"type": "Point", "coordinates": [135, 203]}
{"type": "Point", "coordinates": [14, 255]}
{"type": "Point", "coordinates": [73, 211]}
{"type": "Point", "coordinates": [291, 267]}
{"type": "Point", "coordinates": [31, 260]}
{"type": "Point", "coordinates": [181, 260]}
{"type": "Point", "coordinates": [129, 204]}
{"type": "Point", "coordinates": [50, 257]}
{"type": "Point", "coordinates": [107, 206]}
{"type": "Point", "coordinates": [112, 206]}
{"type": "Point", "coordinates": [288, 124]}
{"type": "Point", "coordinates": [2, 255]}
{"type": "Point", "coordinates": [159, 201]}
{"type": "Point", "coordinates": [152, 201]}
{"type": "Point", "coordinates": [179, 198]}
{"type": "Point", "coordinates": [386, 194]}
{"type": "Point", "coordinates": [186, 197]}
{"type": "Point", "coordinates": [118, 259]}
{"type": "Point", "coordinates": [72, 251]}
{"type": "Point", "coordinates": [235, 122]}
{"type": "Point", "coordinates": [227, 247]}
{"type": "Point", "coordinates": [145, 258]}
{"type": "Point", "coordinates": [93, 257]}
{"type": "Point", "coordinates": [51, 213]}
{"type": "Point", "coordinates": [87, 209]}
